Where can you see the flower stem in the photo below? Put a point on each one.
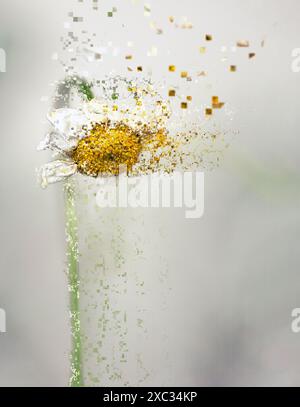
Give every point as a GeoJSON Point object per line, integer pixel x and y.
{"type": "Point", "coordinates": [76, 379]}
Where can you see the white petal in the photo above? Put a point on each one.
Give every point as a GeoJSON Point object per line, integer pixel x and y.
{"type": "Point", "coordinates": [44, 144]}
{"type": "Point", "coordinates": [68, 125]}
{"type": "Point", "coordinates": [94, 106]}
{"type": "Point", "coordinates": [56, 171]}
{"type": "Point", "coordinates": [94, 110]}
{"type": "Point", "coordinates": [68, 121]}
{"type": "Point", "coordinates": [58, 142]}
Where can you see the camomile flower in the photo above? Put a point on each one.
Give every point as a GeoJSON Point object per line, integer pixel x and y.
{"type": "Point", "coordinates": [129, 126]}
{"type": "Point", "coordinates": [101, 135]}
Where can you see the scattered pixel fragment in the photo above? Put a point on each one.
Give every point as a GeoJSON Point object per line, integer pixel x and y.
{"type": "Point", "coordinates": [172, 68]}
{"type": "Point", "coordinates": [184, 74]}
{"type": "Point", "coordinates": [140, 68]}
{"type": "Point", "coordinates": [111, 13]}
{"type": "Point", "coordinates": [185, 24]}
{"type": "Point", "coordinates": [147, 10]}
{"type": "Point", "coordinates": [202, 50]}
{"type": "Point", "coordinates": [208, 37]}
{"type": "Point", "coordinates": [172, 92]}
{"type": "Point", "coordinates": [242, 44]}
{"type": "Point", "coordinates": [152, 52]}
{"type": "Point", "coordinates": [216, 104]}
{"type": "Point", "coordinates": [154, 27]}
{"type": "Point", "coordinates": [189, 98]}
{"type": "Point", "coordinates": [95, 6]}
{"type": "Point", "coordinates": [232, 68]}
{"type": "Point", "coordinates": [251, 55]}
{"type": "Point", "coordinates": [208, 111]}
{"type": "Point", "coordinates": [184, 105]}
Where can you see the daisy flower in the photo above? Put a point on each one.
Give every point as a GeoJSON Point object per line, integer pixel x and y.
{"type": "Point", "coordinates": [104, 134]}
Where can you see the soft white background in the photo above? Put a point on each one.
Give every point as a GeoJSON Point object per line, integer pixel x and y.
{"type": "Point", "coordinates": [237, 270]}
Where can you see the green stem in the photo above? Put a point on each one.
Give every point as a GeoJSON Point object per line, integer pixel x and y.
{"type": "Point", "coordinates": [85, 90]}
{"type": "Point", "coordinates": [76, 379]}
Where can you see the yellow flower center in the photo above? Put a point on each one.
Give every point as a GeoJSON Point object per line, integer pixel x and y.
{"type": "Point", "coordinates": [104, 150]}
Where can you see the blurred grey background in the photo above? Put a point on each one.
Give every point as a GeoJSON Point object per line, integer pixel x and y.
{"type": "Point", "coordinates": [236, 275]}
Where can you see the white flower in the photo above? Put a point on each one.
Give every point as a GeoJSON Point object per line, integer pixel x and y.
{"type": "Point", "coordinates": [130, 125]}
{"type": "Point", "coordinates": [70, 126]}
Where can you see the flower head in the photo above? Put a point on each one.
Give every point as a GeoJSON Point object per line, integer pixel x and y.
{"type": "Point", "coordinates": [128, 126]}
{"type": "Point", "coordinates": [102, 135]}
